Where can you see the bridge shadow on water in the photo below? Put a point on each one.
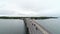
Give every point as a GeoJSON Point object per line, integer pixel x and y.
{"type": "Point", "coordinates": [26, 28]}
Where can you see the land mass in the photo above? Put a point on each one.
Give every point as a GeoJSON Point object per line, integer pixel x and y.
{"type": "Point", "coordinates": [7, 17]}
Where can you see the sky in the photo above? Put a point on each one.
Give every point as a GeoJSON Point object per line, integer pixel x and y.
{"type": "Point", "coordinates": [30, 7]}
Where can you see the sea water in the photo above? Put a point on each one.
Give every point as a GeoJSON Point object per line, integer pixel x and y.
{"type": "Point", "coordinates": [52, 25]}
{"type": "Point", "coordinates": [12, 26]}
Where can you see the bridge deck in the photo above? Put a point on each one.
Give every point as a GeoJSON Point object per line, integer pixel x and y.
{"type": "Point", "coordinates": [34, 27]}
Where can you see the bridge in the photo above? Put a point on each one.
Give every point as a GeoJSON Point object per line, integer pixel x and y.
{"type": "Point", "coordinates": [32, 27]}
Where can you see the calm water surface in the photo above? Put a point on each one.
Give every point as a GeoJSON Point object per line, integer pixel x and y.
{"type": "Point", "coordinates": [16, 26]}
{"type": "Point", "coordinates": [12, 26]}
{"type": "Point", "coordinates": [53, 25]}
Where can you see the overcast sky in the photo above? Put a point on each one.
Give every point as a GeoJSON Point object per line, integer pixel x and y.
{"type": "Point", "coordinates": [30, 7]}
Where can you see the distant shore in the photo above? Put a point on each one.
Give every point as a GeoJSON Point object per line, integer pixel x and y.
{"type": "Point", "coordinates": [4, 17]}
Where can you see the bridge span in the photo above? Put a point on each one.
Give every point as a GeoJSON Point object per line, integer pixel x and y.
{"type": "Point", "coordinates": [34, 28]}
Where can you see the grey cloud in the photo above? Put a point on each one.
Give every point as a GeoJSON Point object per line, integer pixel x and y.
{"type": "Point", "coordinates": [6, 12]}
{"type": "Point", "coordinates": [38, 6]}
